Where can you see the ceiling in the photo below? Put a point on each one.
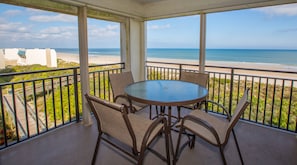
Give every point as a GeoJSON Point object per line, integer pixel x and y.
{"type": "Point", "coordinates": [156, 9]}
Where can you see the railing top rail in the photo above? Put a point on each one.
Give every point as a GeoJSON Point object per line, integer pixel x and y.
{"type": "Point", "coordinates": [54, 70]}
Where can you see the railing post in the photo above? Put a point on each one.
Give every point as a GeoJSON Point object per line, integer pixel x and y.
{"type": "Point", "coordinates": [76, 94]}
{"type": "Point", "coordinates": [231, 91]}
{"type": "Point", "coordinates": [3, 120]}
{"type": "Point", "coordinates": [180, 69]}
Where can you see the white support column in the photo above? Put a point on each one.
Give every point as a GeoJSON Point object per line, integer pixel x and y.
{"type": "Point", "coordinates": [125, 57]}
{"type": "Point", "coordinates": [83, 61]}
{"type": "Point", "coordinates": [137, 34]}
{"type": "Point", "coordinates": [202, 43]}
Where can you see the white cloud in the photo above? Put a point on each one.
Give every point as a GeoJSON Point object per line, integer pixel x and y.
{"type": "Point", "coordinates": [12, 12]}
{"type": "Point", "coordinates": [12, 27]}
{"type": "Point", "coordinates": [157, 27]}
{"type": "Point", "coordinates": [36, 11]}
{"type": "Point", "coordinates": [65, 32]}
{"type": "Point", "coordinates": [108, 31]}
{"type": "Point", "coordinates": [55, 18]}
{"type": "Point", "coordinates": [287, 10]}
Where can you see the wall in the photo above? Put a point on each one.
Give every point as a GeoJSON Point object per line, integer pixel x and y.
{"type": "Point", "coordinates": [36, 56]}
{"type": "Point", "coordinates": [2, 60]}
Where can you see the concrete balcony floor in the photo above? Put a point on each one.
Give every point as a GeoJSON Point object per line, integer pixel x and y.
{"type": "Point", "coordinates": [74, 144]}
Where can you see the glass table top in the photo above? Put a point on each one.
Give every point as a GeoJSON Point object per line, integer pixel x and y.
{"type": "Point", "coordinates": [166, 92]}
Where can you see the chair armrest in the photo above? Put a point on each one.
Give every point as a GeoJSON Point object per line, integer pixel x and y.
{"type": "Point", "coordinates": [220, 105]}
{"type": "Point", "coordinates": [121, 97]}
{"type": "Point", "coordinates": [151, 129]}
{"type": "Point", "coordinates": [203, 123]}
{"type": "Point", "coordinates": [131, 107]}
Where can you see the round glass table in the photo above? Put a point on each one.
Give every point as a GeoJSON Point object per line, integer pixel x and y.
{"type": "Point", "coordinates": [166, 92]}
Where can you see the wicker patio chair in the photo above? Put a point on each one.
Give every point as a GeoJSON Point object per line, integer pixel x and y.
{"type": "Point", "coordinates": [212, 129]}
{"type": "Point", "coordinates": [118, 83]}
{"type": "Point", "coordinates": [127, 129]}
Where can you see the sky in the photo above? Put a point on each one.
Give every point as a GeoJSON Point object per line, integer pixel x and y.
{"type": "Point", "coordinates": [260, 28]}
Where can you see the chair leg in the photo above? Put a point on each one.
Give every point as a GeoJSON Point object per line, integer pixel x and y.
{"type": "Point", "coordinates": [150, 112]}
{"type": "Point", "coordinates": [96, 149]}
{"type": "Point", "coordinates": [237, 146]}
{"type": "Point", "coordinates": [192, 142]}
{"type": "Point", "coordinates": [206, 106]}
{"type": "Point", "coordinates": [177, 145]}
{"type": "Point", "coordinates": [222, 154]}
{"type": "Point", "coordinates": [167, 145]}
{"type": "Point", "coordinates": [178, 113]}
{"type": "Point", "coordinates": [162, 109]}
{"type": "Point", "coordinates": [140, 158]}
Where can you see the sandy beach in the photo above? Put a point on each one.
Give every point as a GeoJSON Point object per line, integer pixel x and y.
{"type": "Point", "coordinates": [104, 59]}
{"type": "Point", "coordinates": [107, 59]}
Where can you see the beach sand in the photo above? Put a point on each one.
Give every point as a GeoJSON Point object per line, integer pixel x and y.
{"type": "Point", "coordinates": [106, 59]}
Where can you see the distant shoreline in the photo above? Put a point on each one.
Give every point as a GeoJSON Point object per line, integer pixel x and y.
{"type": "Point", "coordinates": [107, 59]}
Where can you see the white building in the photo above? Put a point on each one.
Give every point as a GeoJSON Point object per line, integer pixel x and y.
{"type": "Point", "coordinates": [46, 57]}
{"type": "Point", "coordinates": [36, 56]}
{"type": "Point", "coordinates": [2, 59]}
{"type": "Point", "coordinates": [11, 54]}
{"type": "Point", "coordinates": [51, 58]}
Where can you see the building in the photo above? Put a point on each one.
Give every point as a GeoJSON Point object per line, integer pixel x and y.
{"type": "Point", "coordinates": [16, 56]}
{"type": "Point", "coordinates": [2, 60]}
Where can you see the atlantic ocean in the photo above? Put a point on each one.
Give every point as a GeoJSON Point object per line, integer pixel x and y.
{"type": "Point", "coordinates": [269, 56]}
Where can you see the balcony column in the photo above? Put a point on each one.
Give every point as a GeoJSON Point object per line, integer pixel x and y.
{"type": "Point", "coordinates": [202, 43]}
{"type": "Point", "coordinates": [83, 62]}
{"type": "Point", "coordinates": [133, 46]}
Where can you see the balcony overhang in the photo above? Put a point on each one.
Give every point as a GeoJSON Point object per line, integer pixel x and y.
{"type": "Point", "coordinates": [156, 9]}
{"type": "Point", "coordinates": [118, 10]}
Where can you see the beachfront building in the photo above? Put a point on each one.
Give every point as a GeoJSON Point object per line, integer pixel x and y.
{"type": "Point", "coordinates": [12, 57]}
{"type": "Point", "coordinates": [16, 56]}
{"type": "Point", "coordinates": [2, 62]}
{"type": "Point", "coordinates": [45, 57]}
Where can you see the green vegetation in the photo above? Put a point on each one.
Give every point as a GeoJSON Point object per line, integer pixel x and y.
{"type": "Point", "coordinates": [51, 95]}
{"type": "Point", "coordinates": [273, 105]}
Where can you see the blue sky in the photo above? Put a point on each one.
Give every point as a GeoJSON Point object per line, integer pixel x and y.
{"type": "Point", "coordinates": [261, 28]}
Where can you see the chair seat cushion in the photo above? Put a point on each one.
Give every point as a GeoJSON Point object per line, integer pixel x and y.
{"type": "Point", "coordinates": [219, 124]}
{"type": "Point", "coordinates": [140, 126]}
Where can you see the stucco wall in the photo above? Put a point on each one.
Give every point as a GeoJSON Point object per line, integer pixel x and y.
{"type": "Point", "coordinates": [51, 58]}
{"type": "Point", "coordinates": [11, 54]}
{"type": "Point", "coordinates": [2, 60]}
{"type": "Point", "coordinates": [36, 56]}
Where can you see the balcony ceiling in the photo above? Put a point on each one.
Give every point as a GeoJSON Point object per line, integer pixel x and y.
{"type": "Point", "coordinates": [155, 9]}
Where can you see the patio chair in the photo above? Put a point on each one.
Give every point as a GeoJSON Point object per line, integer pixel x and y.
{"type": "Point", "coordinates": [196, 78]}
{"type": "Point", "coordinates": [212, 129]}
{"type": "Point", "coordinates": [118, 83]}
{"type": "Point", "coordinates": [121, 129]}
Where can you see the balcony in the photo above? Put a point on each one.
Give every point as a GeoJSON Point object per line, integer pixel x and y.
{"type": "Point", "coordinates": [50, 132]}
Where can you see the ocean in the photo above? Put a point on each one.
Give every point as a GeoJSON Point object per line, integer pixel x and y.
{"type": "Point", "coordinates": [270, 56]}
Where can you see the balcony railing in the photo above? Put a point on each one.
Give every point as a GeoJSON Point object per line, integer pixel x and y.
{"type": "Point", "coordinates": [273, 93]}
{"type": "Point", "coordinates": [32, 103]}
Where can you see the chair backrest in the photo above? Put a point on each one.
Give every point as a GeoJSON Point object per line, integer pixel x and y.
{"type": "Point", "coordinates": [241, 106]}
{"type": "Point", "coordinates": [119, 81]}
{"type": "Point", "coordinates": [111, 119]}
{"type": "Point", "coordinates": [194, 77]}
